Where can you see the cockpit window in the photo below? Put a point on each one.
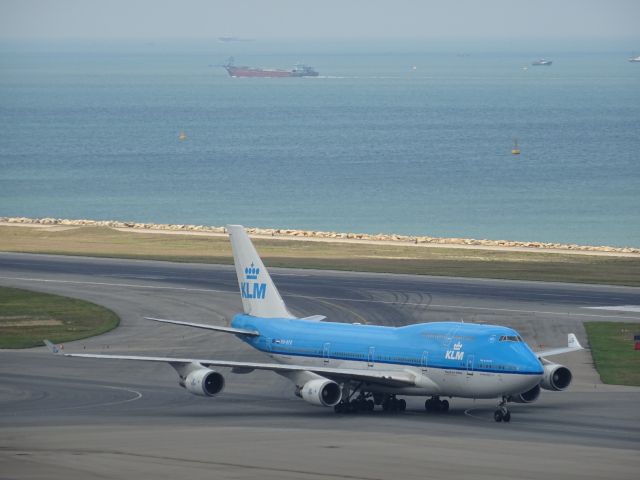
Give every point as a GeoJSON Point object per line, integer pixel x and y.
{"type": "Point", "coordinates": [511, 338]}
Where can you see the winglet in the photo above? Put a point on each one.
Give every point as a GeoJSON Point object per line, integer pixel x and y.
{"type": "Point", "coordinates": [572, 342]}
{"type": "Point", "coordinates": [52, 348]}
{"type": "Point", "coordinates": [573, 345]}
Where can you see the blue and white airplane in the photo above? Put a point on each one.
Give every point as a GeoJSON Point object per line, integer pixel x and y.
{"type": "Point", "coordinates": [354, 367]}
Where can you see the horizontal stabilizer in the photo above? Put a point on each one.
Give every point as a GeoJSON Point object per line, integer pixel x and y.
{"type": "Point", "coordinates": [315, 318]}
{"type": "Point", "coordinates": [204, 326]}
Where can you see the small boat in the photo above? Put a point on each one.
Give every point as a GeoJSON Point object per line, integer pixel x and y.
{"type": "Point", "coordinates": [635, 59]}
{"type": "Point", "coordinates": [182, 136]}
{"type": "Point", "coordinates": [542, 62]}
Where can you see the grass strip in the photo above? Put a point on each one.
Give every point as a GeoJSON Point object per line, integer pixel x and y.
{"type": "Point", "coordinates": [106, 242]}
{"type": "Point", "coordinates": [27, 317]}
{"type": "Point", "coordinates": [612, 348]}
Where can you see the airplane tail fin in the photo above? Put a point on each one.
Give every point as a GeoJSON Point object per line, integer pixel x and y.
{"type": "Point", "coordinates": [260, 297]}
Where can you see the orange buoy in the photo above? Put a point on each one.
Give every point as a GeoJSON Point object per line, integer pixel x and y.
{"type": "Point", "coordinates": [515, 150]}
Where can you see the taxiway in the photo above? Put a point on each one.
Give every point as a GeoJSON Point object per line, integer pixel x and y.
{"type": "Point", "coordinates": [81, 418]}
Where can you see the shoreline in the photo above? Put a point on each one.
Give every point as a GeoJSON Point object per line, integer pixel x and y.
{"type": "Point", "coordinates": [321, 236]}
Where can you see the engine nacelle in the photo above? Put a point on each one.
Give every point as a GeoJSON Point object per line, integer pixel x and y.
{"type": "Point", "coordinates": [203, 382]}
{"type": "Point", "coordinates": [526, 397]}
{"type": "Point", "coordinates": [556, 377]}
{"type": "Point", "coordinates": [321, 392]}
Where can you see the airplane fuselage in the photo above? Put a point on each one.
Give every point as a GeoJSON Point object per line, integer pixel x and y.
{"type": "Point", "coordinates": [447, 358]}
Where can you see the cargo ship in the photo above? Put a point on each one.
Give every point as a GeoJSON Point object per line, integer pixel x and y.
{"type": "Point", "coordinates": [298, 71]}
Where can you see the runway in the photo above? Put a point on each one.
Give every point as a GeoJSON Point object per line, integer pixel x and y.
{"type": "Point", "coordinates": [81, 418]}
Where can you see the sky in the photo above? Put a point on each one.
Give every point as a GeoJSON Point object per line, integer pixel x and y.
{"type": "Point", "coordinates": [319, 19]}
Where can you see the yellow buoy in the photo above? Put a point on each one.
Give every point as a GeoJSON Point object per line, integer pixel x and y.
{"type": "Point", "coordinates": [515, 150]}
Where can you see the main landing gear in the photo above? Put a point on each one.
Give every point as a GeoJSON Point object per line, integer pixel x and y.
{"type": "Point", "coordinates": [360, 404]}
{"type": "Point", "coordinates": [366, 402]}
{"type": "Point", "coordinates": [392, 404]}
{"type": "Point", "coordinates": [502, 413]}
{"type": "Point", "coordinates": [434, 404]}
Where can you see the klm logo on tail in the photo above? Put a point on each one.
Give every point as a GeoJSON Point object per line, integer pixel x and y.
{"type": "Point", "coordinates": [252, 290]}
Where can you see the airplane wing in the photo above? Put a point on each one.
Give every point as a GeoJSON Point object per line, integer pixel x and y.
{"type": "Point", "coordinates": [239, 331]}
{"type": "Point", "coordinates": [389, 378]}
{"type": "Point", "coordinates": [572, 346]}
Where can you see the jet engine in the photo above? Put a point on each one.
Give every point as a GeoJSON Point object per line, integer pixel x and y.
{"type": "Point", "coordinates": [321, 392]}
{"type": "Point", "coordinates": [526, 397]}
{"type": "Point", "coordinates": [556, 377]}
{"type": "Point", "coordinates": [203, 382]}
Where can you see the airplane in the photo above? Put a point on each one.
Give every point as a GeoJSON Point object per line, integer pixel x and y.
{"type": "Point", "coordinates": [356, 367]}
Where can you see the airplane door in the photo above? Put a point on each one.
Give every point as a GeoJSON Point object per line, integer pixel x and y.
{"type": "Point", "coordinates": [470, 365]}
{"type": "Point", "coordinates": [325, 352]}
{"type": "Point", "coordinates": [267, 344]}
{"type": "Point", "coordinates": [372, 351]}
{"type": "Point", "coordinates": [424, 362]}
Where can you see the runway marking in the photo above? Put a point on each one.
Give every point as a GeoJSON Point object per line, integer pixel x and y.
{"type": "Point", "coordinates": [360, 300]}
{"type": "Point", "coordinates": [259, 468]}
{"type": "Point", "coordinates": [468, 411]}
{"type": "Point", "coordinates": [619, 308]}
{"type": "Point", "coordinates": [137, 396]}
{"type": "Point", "coordinates": [120, 402]}
{"type": "Point", "coordinates": [107, 284]}
{"type": "Point", "coordinates": [460, 307]}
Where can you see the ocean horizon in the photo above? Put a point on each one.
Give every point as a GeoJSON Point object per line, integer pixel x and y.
{"type": "Point", "coordinates": [414, 143]}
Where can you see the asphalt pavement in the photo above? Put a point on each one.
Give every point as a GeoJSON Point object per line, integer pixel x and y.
{"type": "Point", "coordinates": [84, 418]}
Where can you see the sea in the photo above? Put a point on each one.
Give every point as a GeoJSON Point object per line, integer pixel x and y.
{"type": "Point", "coordinates": [407, 138]}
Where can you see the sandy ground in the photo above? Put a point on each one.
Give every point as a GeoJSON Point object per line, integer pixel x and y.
{"type": "Point", "coordinates": [502, 248]}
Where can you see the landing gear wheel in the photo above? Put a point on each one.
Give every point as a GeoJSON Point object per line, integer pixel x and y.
{"type": "Point", "coordinates": [402, 405]}
{"type": "Point", "coordinates": [434, 404]}
{"type": "Point", "coordinates": [502, 414]}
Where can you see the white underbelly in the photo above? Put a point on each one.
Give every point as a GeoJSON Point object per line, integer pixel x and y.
{"type": "Point", "coordinates": [436, 381]}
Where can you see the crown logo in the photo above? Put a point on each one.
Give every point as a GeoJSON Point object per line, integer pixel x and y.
{"type": "Point", "coordinates": [252, 272]}
{"type": "Point", "coordinates": [457, 346]}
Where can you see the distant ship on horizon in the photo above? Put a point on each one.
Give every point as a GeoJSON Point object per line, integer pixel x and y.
{"type": "Point", "coordinates": [543, 62]}
{"type": "Point", "coordinates": [243, 71]}
{"type": "Point", "coordinates": [235, 39]}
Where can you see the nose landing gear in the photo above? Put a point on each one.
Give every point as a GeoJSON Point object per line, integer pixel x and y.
{"type": "Point", "coordinates": [502, 413]}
